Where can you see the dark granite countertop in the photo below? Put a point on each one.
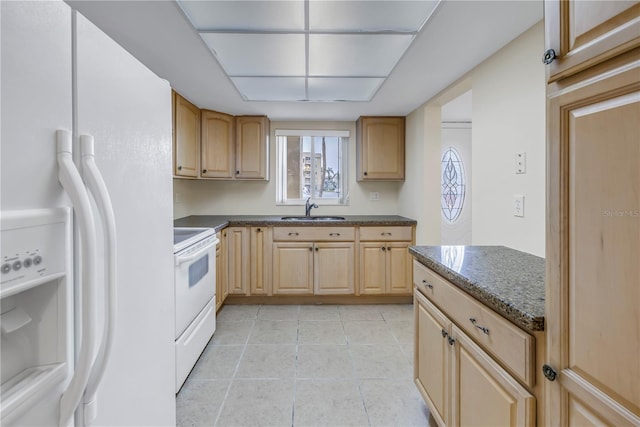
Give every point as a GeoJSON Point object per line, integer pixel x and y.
{"type": "Point", "coordinates": [220, 221]}
{"type": "Point", "coordinates": [506, 280]}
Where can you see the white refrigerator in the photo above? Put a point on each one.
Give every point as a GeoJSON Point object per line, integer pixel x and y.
{"type": "Point", "coordinates": [61, 73]}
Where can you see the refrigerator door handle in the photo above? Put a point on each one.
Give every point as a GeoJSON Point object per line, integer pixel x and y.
{"type": "Point", "coordinates": [96, 186]}
{"type": "Point", "coordinates": [72, 183]}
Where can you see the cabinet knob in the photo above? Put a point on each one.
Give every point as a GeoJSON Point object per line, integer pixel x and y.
{"type": "Point", "coordinates": [316, 249]}
{"type": "Point", "coordinates": [549, 56]}
{"type": "Point", "coordinates": [365, 174]}
{"type": "Point", "coordinates": [204, 171]}
{"type": "Point", "coordinates": [237, 172]}
{"type": "Point", "coordinates": [388, 248]}
{"type": "Point", "coordinates": [451, 340]}
{"type": "Point", "coordinates": [258, 230]}
{"type": "Point", "coordinates": [444, 333]}
{"type": "Point", "coordinates": [179, 168]}
{"type": "Point", "coordinates": [310, 249]}
{"type": "Point", "coordinates": [384, 249]}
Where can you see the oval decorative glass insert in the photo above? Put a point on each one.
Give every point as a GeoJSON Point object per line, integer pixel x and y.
{"type": "Point", "coordinates": [453, 185]}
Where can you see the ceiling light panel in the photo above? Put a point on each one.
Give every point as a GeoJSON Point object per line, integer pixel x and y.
{"type": "Point", "coordinates": [355, 55]}
{"type": "Point", "coordinates": [258, 54]}
{"type": "Point", "coordinates": [271, 88]}
{"type": "Point", "coordinates": [400, 16]}
{"type": "Point", "coordinates": [237, 15]}
{"type": "Point", "coordinates": [343, 89]}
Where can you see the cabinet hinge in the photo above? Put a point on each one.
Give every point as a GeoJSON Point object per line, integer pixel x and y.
{"type": "Point", "coordinates": [549, 372]}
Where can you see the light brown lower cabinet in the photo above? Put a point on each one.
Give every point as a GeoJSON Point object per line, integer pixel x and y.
{"type": "Point", "coordinates": [221, 269]}
{"type": "Point", "coordinates": [238, 261]}
{"type": "Point", "coordinates": [308, 268]}
{"type": "Point", "coordinates": [461, 383]}
{"type": "Point", "coordinates": [385, 268]}
{"type": "Point", "coordinates": [260, 260]}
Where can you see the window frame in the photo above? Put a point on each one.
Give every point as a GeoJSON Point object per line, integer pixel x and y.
{"type": "Point", "coordinates": [281, 166]}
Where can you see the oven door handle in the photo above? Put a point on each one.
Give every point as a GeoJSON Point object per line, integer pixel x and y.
{"type": "Point", "coordinates": [181, 259]}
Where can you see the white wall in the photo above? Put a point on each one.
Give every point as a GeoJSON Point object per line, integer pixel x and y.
{"type": "Point", "coordinates": [508, 117]}
{"type": "Point", "coordinates": [203, 197]}
{"type": "Point", "coordinates": [422, 172]}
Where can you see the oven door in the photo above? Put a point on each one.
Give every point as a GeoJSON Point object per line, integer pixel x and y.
{"type": "Point", "coordinates": [195, 281]}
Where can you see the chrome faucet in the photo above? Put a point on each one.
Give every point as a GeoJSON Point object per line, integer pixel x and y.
{"type": "Point", "coordinates": [308, 206]}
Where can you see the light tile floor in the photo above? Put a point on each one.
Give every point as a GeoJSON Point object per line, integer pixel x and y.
{"type": "Point", "coordinates": [307, 365]}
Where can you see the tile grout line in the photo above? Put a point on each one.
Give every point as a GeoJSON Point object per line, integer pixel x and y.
{"type": "Point", "coordinates": [235, 371]}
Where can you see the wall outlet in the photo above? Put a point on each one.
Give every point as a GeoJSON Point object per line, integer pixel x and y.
{"type": "Point", "coordinates": [521, 163]}
{"type": "Point", "coordinates": [374, 195]}
{"type": "Point", "coordinates": [518, 206]}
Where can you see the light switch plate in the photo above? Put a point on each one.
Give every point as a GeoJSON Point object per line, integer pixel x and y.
{"type": "Point", "coordinates": [521, 163]}
{"type": "Point", "coordinates": [518, 205]}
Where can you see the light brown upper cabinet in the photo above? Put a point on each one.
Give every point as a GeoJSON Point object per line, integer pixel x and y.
{"type": "Point", "coordinates": [593, 215]}
{"type": "Point", "coordinates": [186, 137]}
{"type": "Point", "coordinates": [585, 33]}
{"type": "Point", "coordinates": [252, 147]}
{"type": "Point", "coordinates": [380, 148]}
{"type": "Point", "coordinates": [217, 145]}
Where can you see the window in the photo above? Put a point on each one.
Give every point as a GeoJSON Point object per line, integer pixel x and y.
{"type": "Point", "coordinates": [312, 164]}
{"type": "Point", "coordinates": [453, 185]}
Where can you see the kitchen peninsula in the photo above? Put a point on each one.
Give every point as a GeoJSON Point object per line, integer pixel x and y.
{"type": "Point", "coordinates": [479, 333]}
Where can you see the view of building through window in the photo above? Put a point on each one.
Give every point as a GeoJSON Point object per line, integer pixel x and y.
{"type": "Point", "coordinates": [311, 167]}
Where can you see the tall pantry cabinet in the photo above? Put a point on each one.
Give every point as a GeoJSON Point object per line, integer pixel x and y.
{"type": "Point", "coordinates": [593, 213]}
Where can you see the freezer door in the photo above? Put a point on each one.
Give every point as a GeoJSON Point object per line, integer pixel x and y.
{"type": "Point", "coordinates": [36, 100]}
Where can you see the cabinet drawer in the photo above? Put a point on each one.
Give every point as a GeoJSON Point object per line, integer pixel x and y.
{"type": "Point", "coordinates": [510, 345]}
{"type": "Point", "coordinates": [306, 234]}
{"type": "Point", "coordinates": [381, 234]}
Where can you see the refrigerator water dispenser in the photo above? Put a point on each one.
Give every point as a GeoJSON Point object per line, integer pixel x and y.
{"type": "Point", "coordinates": [36, 313]}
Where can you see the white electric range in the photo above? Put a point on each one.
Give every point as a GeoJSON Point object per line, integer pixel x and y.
{"type": "Point", "coordinates": [195, 286]}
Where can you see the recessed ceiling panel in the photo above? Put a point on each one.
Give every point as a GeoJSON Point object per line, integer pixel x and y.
{"type": "Point", "coordinates": [258, 54]}
{"type": "Point", "coordinates": [245, 15]}
{"type": "Point", "coordinates": [401, 16]}
{"type": "Point", "coordinates": [271, 88]}
{"type": "Point", "coordinates": [343, 89]}
{"type": "Point", "coordinates": [355, 55]}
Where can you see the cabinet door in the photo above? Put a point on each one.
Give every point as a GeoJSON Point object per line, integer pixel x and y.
{"type": "Point", "coordinates": [217, 147]}
{"type": "Point", "coordinates": [252, 147]}
{"type": "Point", "coordinates": [186, 142]}
{"type": "Point", "coordinates": [238, 251]}
{"type": "Point", "coordinates": [219, 283]}
{"type": "Point", "coordinates": [380, 148]}
{"type": "Point", "coordinates": [333, 268]}
{"type": "Point", "coordinates": [593, 247]}
{"type": "Point", "coordinates": [399, 272]}
{"type": "Point", "coordinates": [373, 267]}
{"type": "Point", "coordinates": [293, 268]}
{"type": "Point", "coordinates": [260, 271]}
{"type": "Point", "coordinates": [221, 269]}
{"type": "Point", "coordinates": [484, 394]}
{"type": "Point", "coordinates": [432, 356]}
{"type": "Point", "coordinates": [585, 33]}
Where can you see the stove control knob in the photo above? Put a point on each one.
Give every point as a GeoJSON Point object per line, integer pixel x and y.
{"type": "Point", "coordinates": [6, 268]}
{"type": "Point", "coordinates": [37, 260]}
{"type": "Point", "coordinates": [17, 265]}
{"type": "Point", "coordinates": [27, 262]}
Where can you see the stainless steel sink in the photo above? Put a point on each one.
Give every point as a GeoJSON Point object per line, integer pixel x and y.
{"type": "Point", "coordinates": [313, 218]}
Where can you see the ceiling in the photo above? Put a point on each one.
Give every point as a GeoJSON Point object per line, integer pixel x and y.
{"type": "Point", "coordinates": [457, 36]}
{"type": "Point", "coordinates": [302, 50]}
